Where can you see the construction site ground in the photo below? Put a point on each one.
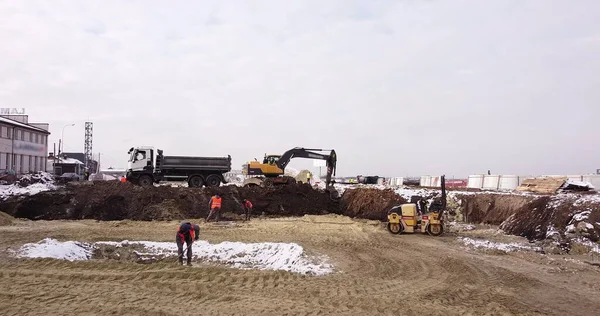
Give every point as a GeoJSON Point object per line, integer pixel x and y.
{"type": "Point", "coordinates": [377, 273]}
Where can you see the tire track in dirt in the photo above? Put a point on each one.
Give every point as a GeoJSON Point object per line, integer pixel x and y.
{"type": "Point", "coordinates": [379, 273]}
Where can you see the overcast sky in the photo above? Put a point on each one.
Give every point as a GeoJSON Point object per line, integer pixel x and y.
{"type": "Point", "coordinates": [396, 87]}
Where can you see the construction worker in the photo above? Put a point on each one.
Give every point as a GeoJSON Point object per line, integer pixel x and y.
{"type": "Point", "coordinates": [308, 177]}
{"type": "Point", "coordinates": [423, 206]}
{"type": "Point", "coordinates": [187, 233]}
{"type": "Point", "coordinates": [215, 206]}
{"type": "Point", "coordinates": [247, 209]}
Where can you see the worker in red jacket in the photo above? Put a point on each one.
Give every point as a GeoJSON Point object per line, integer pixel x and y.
{"type": "Point", "coordinates": [215, 207]}
{"type": "Point", "coordinates": [247, 208]}
{"type": "Point", "coordinates": [187, 233]}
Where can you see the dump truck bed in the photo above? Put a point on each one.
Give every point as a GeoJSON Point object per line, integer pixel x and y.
{"type": "Point", "coordinates": [201, 163]}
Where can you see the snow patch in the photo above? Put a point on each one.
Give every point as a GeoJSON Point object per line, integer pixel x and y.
{"type": "Point", "coordinates": [13, 189]}
{"type": "Point", "coordinates": [589, 226]}
{"type": "Point", "coordinates": [551, 231]}
{"type": "Point", "coordinates": [579, 184]}
{"type": "Point", "coordinates": [51, 248]}
{"type": "Point", "coordinates": [264, 256]}
{"type": "Point", "coordinates": [580, 216]}
{"type": "Point", "coordinates": [481, 243]}
{"type": "Point", "coordinates": [462, 226]}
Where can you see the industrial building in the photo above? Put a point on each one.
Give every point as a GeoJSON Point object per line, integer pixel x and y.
{"type": "Point", "coordinates": [23, 145]}
{"type": "Point", "coordinates": [93, 164]}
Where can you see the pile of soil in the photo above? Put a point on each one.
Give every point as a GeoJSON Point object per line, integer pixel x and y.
{"type": "Point", "coordinates": [535, 217]}
{"type": "Point", "coordinates": [369, 203]}
{"type": "Point", "coordinates": [111, 200]}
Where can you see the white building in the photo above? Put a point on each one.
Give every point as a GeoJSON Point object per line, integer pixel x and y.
{"type": "Point", "coordinates": [23, 145]}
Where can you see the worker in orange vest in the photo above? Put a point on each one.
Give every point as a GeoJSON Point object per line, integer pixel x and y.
{"type": "Point", "coordinates": [215, 207]}
{"type": "Point", "coordinates": [187, 233]}
{"type": "Point", "coordinates": [247, 208]}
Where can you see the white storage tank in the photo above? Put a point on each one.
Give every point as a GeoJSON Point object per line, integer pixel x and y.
{"type": "Point", "coordinates": [508, 182]}
{"type": "Point", "coordinates": [491, 182]}
{"type": "Point", "coordinates": [475, 181]}
{"type": "Point", "coordinates": [425, 181]}
{"type": "Point", "coordinates": [380, 181]}
{"type": "Point", "coordinates": [436, 182]}
{"type": "Point", "coordinates": [397, 181]}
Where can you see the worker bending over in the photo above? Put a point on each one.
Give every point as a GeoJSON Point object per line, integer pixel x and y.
{"type": "Point", "coordinates": [187, 233]}
{"type": "Point", "coordinates": [215, 207]}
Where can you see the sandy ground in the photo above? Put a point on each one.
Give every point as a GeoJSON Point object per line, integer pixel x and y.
{"type": "Point", "coordinates": [377, 273]}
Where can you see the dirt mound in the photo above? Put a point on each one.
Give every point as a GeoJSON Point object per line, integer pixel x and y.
{"type": "Point", "coordinates": [536, 217]}
{"type": "Point", "coordinates": [5, 219]}
{"type": "Point", "coordinates": [112, 200]}
{"type": "Point", "coordinates": [369, 203]}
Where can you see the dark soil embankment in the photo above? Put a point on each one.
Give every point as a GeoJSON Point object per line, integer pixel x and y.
{"type": "Point", "coordinates": [536, 216]}
{"type": "Point", "coordinates": [117, 201]}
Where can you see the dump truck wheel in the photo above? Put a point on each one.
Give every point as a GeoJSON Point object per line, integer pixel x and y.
{"type": "Point", "coordinates": [213, 181]}
{"type": "Point", "coordinates": [434, 230]}
{"type": "Point", "coordinates": [394, 228]}
{"type": "Point", "coordinates": [195, 182]}
{"type": "Point", "coordinates": [145, 181]}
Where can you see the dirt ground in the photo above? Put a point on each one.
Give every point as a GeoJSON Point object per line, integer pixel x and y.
{"type": "Point", "coordinates": [377, 273]}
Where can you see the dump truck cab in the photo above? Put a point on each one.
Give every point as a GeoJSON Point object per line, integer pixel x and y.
{"type": "Point", "coordinates": [141, 158]}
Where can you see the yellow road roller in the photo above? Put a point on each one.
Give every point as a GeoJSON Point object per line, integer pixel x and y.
{"type": "Point", "coordinates": [405, 218]}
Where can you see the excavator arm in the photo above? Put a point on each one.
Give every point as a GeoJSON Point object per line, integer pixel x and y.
{"type": "Point", "coordinates": [299, 152]}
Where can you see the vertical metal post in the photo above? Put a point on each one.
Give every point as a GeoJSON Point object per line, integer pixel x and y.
{"type": "Point", "coordinates": [89, 126]}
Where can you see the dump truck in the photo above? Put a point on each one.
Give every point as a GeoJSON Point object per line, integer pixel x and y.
{"type": "Point", "coordinates": [147, 166]}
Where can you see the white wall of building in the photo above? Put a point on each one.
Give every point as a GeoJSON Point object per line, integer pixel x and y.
{"type": "Point", "coordinates": [28, 151]}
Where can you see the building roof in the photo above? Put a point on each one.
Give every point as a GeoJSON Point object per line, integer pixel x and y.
{"type": "Point", "coordinates": [22, 125]}
{"type": "Point", "coordinates": [78, 156]}
{"type": "Point", "coordinates": [68, 161]}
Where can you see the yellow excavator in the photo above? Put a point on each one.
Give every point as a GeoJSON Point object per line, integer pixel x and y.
{"type": "Point", "coordinates": [405, 218]}
{"type": "Point", "coordinates": [271, 171]}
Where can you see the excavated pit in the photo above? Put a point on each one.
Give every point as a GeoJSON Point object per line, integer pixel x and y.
{"type": "Point", "coordinates": [532, 216]}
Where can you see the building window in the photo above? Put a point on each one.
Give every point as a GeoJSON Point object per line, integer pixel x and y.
{"type": "Point", "coordinates": [8, 162]}
{"type": "Point", "coordinates": [30, 137]}
{"type": "Point", "coordinates": [4, 130]}
{"type": "Point", "coordinates": [24, 135]}
{"type": "Point", "coordinates": [10, 133]}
